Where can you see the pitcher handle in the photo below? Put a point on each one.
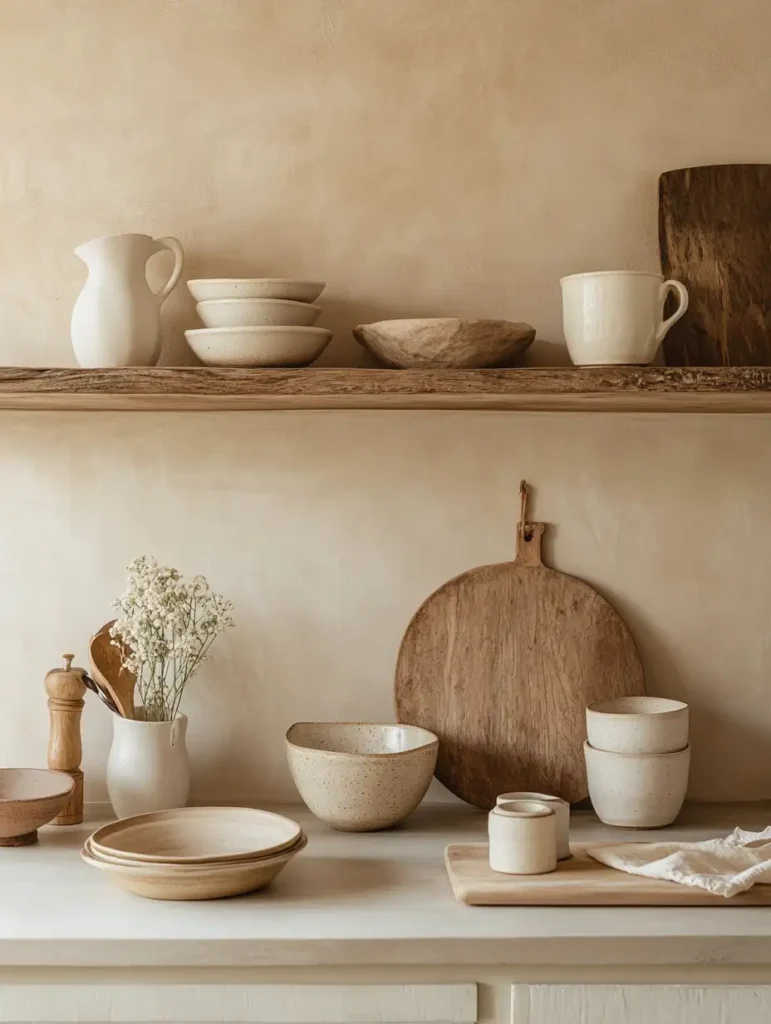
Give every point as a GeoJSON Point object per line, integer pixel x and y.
{"type": "Point", "coordinates": [173, 245]}
{"type": "Point", "coordinates": [682, 293]}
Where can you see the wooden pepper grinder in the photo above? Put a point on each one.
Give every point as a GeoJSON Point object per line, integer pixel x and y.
{"type": "Point", "coordinates": [65, 689]}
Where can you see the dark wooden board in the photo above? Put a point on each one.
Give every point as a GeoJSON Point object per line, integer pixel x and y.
{"type": "Point", "coordinates": [501, 662]}
{"type": "Point", "coordinates": [715, 237]}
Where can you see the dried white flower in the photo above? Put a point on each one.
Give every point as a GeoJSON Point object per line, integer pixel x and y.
{"type": "Point", "coordinates": [164, 630]}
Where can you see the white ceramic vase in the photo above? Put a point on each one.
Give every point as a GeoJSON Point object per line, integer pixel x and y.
{"type": "Point", "coordinates": [148, 768]}
{"type": "Point", "coordinates": [116, 319]}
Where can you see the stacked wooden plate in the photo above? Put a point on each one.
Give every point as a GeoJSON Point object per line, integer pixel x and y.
{"type": "Point", "coordinates": [195, 853]}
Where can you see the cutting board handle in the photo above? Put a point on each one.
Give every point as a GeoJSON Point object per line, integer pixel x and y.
{"type": "Point", "coordinates": [528, 534]}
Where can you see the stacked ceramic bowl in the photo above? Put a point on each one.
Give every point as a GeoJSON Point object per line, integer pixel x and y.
{"type": "Point", "coordinates": [637, 760]}
{"type": "Point", "coordinates": [195, 853]}
{"type": "Point", "coordinates": [257, 321]}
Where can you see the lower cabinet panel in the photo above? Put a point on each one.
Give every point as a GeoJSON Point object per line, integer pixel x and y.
{"type": "Point", "coordinates": [640, 1004]}
{"type": "Point", "coordinates": [238, 1004]}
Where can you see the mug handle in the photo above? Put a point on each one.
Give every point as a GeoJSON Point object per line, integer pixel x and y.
{"type": "Point", "coordinates": [676, 288]}
{"type": "Point", "coordinates": [173, 245]}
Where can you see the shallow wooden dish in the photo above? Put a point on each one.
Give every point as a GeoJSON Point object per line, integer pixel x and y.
{"type": "Point", "coordinates": [29, 798]}
{"type": "Point", "coordinates": [195, 882]}
{"type": "Point", "coordinates": [445, 342]}
{"type": "Point", "coordinates": [197, 835]}
{"type": "Point", "coordinates": [182, 867]}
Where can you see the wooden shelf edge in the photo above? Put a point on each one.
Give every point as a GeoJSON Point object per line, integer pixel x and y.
{"type": "Point", "coordinates": [565, 389]}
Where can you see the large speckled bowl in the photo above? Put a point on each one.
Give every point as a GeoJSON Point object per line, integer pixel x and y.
{"type": "Point", "coordinates": [361, 776]}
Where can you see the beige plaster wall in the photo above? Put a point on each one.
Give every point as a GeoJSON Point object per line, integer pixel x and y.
{"type": "Point", "coordinates": [424, 157]}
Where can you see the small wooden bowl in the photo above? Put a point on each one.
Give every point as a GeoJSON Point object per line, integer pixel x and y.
{"type": "Point", "coordinates": [29, 798]}
{"type": "Point", "coordinates": [445, 342]}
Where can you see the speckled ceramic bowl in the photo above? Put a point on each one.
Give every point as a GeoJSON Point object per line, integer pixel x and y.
{"type": "Point", "coordinates": [637, 790]}
{"type": "Point", "coordinates": [29, 798]}
{"type": "Point", "coordinates": [361, 776]}
{"type": "Point", "coordinates": [638, 725]}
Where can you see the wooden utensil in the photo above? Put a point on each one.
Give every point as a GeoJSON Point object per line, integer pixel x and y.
{"type": "Point", "coordinates": [715, 237]}
{"type": "Point", "coordinates": [66, 688]}
{"type": "Point", "coordinates": [578, 882]}
{"type": "Point", "coordinates": [109, 674]}
{"type": "Point", "coordinates": [103, 697]}
{"type": "Point", "coordinates": [190, 835]}
{"type": "Point", "coordinates": [500, 663]}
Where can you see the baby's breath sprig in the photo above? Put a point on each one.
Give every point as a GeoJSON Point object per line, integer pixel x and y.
{"type": "Point", "coordinates": [164, 630]}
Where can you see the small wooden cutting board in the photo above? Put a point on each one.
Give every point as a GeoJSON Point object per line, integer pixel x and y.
{"type": "Point", "coordinates": [500, 664]}
{"type": "Point", "coordinates": [578, 882]}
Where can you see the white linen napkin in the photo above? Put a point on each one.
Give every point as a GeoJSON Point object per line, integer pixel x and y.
{"type": "Point", "coordinates": [721, 866]}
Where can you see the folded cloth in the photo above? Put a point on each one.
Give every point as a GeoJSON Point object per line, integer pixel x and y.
{"type": "Point", "coordinates": [724, 867]}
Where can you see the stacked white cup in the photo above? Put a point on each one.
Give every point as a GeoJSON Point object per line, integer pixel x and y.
{"type": "Point", "coordinates": [637, 760]}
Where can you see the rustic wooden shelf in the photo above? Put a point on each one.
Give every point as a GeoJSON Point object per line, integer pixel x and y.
{"type": "Point", "coordinates": [566, 389]}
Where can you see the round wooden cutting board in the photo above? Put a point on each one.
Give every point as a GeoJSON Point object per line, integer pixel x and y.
{"type": "Point", "coordinates": [501, 662]}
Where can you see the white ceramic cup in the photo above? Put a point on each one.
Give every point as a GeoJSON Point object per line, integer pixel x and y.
{"type": "Point", "coordinates": [637, 790]}
{"type": "Point", "coordinates": [616, 317]}
{"type": "Point", "coordinates": [561, 810]}
{"type": "Point", "coordinates": [638, 725]}
{"type": "Point", "coordinates": [523, 838]}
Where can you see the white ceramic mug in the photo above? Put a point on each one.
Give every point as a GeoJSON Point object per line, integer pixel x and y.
{"type": "Point", "coordinates": [616, 317]}
{"type": "Point", "coordinates": [561, 810]}
{"type": "Point", "coordinates": [523, 838]}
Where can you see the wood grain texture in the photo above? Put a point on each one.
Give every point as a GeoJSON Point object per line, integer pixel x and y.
{"type": "Point", "coordinates": [577, 882]}
{"type": "Point", "coordinates": [66, 689]}
{"type": "Point", "coordinates": [500, 663]}
{"type": "Point", "coordinates": [184, 389]}
{"type": "Point", "coordinates": [715, 237]}
{"type": "Point", "coordinates": [238, 1004]}
{"type": "Point", "coordinates": [446, 342]}
{"type": "Point", "coordinates": [109, 673]}
{"type": "Point", "coordinates": [641, 1004]}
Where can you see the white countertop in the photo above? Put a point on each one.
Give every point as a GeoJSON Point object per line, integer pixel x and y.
{"type": "Point", "coordinates": [360, 899]}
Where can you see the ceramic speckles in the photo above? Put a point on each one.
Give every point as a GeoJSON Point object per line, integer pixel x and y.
{"type": "Point", "coordinates": [638, 725]}
{"type": "Point", "coordinates": [637, 790]}
{"type": "Point", "coordinates": [359, 777]}
{"type": "Point", "coordinates": [561, 810]}
{"type": "Point", "coordinates": [523, 837]}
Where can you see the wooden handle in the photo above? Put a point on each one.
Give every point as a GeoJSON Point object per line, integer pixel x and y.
{"type": "Point", "coordinates": [66, 689]}
{"type": "Point", "coordinates": [528, 534]}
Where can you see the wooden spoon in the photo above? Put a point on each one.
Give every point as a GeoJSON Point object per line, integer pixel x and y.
{"type": "Point", "coordinates": [109, 673]}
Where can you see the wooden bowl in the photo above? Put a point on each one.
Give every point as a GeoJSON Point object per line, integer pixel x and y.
{"type": "Point", "coordinates": [194, 882]}
{"type": "Point", "coordinates": [29, 798]}
{"type": "Point", "coordinates": [445, 342]}
{"type": "Point", "coordinates": [196, 835]}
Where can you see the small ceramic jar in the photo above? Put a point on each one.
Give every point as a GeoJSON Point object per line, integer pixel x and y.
{"type": "Point", "coordinates": [523, 838]}
{"type": "Point", "coordinates": [561, 810]}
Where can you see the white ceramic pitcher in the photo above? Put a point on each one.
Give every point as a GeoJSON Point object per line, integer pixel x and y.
{"type": "Point", "coordinates": [116, 319]}
{"type": "Point", "coordinates": [148, 768]}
